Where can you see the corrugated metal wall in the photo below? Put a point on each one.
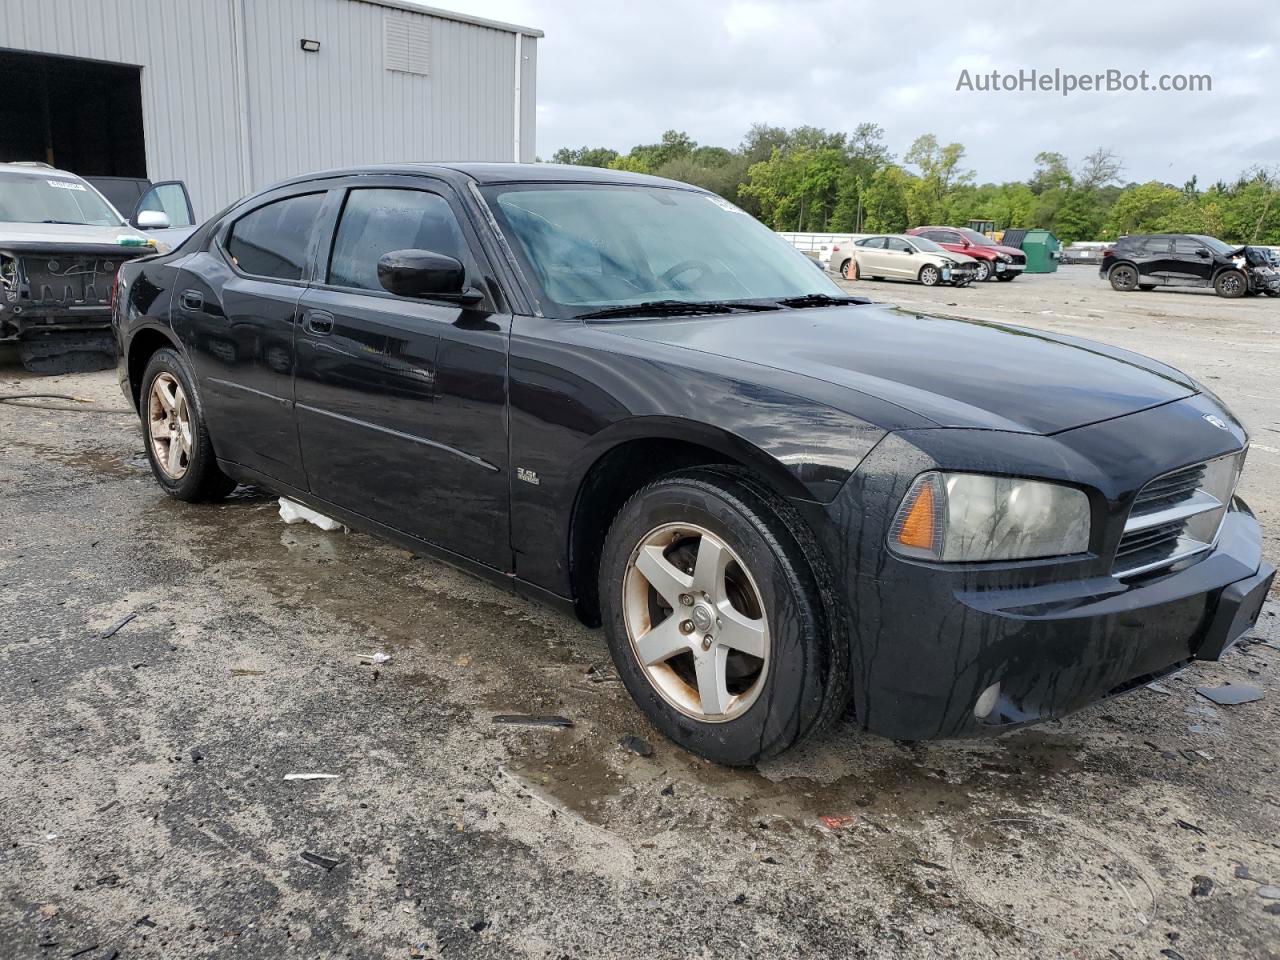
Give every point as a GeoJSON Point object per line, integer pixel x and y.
{"type": "Point", "coordinates": [301, 111]}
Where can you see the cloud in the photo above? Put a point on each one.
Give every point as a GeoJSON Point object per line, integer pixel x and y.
{"type": "Point", "coordinates": [616, 74]}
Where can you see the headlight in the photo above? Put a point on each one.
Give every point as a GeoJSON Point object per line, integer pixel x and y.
{"type": "Point", "coordinates": [1005, 258]}
{"type": "Point", "coordinates": [955, 517]}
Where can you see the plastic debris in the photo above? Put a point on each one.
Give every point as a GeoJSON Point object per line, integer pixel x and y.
{"type": "Point", "coordinates": [144, 921]}
{"type": "Point", "coordinates": [1186, 825]}
{"type": "Point", "coordinates": [642, 747]}
{"type": "Point", "coordinates": [375, 658]}
{"type": "Point", "coordinates": [1272, 908]}
{"type": "Point", "coordinates": [1201, 886]}
{"type": "Point", "coordinates": [1269, 892]}
{"type": "Point", "coordinates": [1231, 694]}
{"type": "Point", "coordinates": [837, 822]}
{"type": "Point", "coordinates": [320, 860]}
{"type": "Point", "coordinates": [1159, 688]}
{"type": "Point", "coordinates": [293, 512]}
{"type": "Point", "coordinates": [532, 720]}
{"type": "Point", "coordinates": [112, 630]}
{"type": "Point", "coordinates": [1242, 873]}
{"type": "Point", "coordinates": [311, 776]}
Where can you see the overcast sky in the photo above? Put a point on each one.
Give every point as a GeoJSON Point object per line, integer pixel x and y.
{"type": "Point", "coordinates": [619, 73]}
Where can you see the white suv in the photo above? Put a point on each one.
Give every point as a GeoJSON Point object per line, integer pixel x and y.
{"type": "Point", "coordinates": [61, 244]}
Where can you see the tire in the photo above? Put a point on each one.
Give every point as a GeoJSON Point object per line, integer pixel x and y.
{"type": "Point", "coordinates": [984, 272]}
{"type": "Point", "coordinates": [849, 269]}
{"type": "Point", "coordinates": [191, 473]}
{"type": "Point", "coordinates": [929, 275]}
{"type": "Point", "coordinates": [1230, 284]}
{"type": "Point", "coordinates": [1006, 277]}
{"type": "Point", "coordinates": [775, 595]}
{"type": "Point", "coordinates": [1123, 278]}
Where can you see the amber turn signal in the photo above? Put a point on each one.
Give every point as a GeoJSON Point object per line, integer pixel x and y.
{"type": "Point", "coordinates": [917, 531]}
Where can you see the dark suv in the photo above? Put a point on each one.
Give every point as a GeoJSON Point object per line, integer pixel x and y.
{"type": "Point", "coordinates": [1188, 260]}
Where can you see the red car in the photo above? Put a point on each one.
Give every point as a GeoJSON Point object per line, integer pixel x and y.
{"type": "Point", "coordinates": [1003, 263]}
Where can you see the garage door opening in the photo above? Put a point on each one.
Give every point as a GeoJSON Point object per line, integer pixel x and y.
{"type": "Point", "coordinates": [80, 115]}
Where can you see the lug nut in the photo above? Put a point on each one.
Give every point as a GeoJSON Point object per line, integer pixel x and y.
{"type": "Point", "coordinates": [686, 626]}
{"type": "Point", "coordinates": [706, 642]}
{"type": "Point", "coordinates": [686, 600]}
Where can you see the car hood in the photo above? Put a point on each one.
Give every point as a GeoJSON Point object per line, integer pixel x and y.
{"type": "Point", "coordinates": [951, 371]}
{"type": "Point", "coordinates": [55, 234]}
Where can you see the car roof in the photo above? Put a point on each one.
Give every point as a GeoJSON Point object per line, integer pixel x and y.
{"type": "Point", "coordinates": [486, 173]}
{"type": "Point", "coordinates": [36, 169]}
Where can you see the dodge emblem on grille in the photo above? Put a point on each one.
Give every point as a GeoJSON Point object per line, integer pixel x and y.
{"type": "Point", "coordinates": [1217, 422]}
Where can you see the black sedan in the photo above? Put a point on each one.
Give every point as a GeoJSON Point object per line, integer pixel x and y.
{"type": "Point", "coordinates": [624, 396]}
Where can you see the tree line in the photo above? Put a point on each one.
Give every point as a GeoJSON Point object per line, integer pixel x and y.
{"type": "Point", "coordinates": [812, 179]}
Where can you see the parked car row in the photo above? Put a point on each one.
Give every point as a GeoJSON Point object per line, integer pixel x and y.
{"type": "Point", "coordinates": [927, 255]}
{"type": "Point", "coordinates": [1144, 262]}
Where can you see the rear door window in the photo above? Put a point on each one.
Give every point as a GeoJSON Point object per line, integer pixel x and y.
{"type": "Point", "coordinates": [875, 243]}
{"type": "Point", "coordinates": [273, 240]}
{"type": "Point", "coordinates": [378, 220]}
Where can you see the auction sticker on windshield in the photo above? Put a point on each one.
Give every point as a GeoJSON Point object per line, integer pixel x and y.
{"type": "Point", "coordinates": [66, 184]}
{"type": "Point", "coordinates": [724, 204]}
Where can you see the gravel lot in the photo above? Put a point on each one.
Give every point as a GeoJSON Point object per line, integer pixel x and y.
{"type": "Point", "coordinates": [143, 808]}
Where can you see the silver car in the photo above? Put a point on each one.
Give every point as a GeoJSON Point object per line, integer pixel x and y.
{"type": "Point", "coordinates": [902, 257]}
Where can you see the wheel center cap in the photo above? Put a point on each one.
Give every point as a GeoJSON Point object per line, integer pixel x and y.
{"type": "Point", "coordinates": [703, 618]}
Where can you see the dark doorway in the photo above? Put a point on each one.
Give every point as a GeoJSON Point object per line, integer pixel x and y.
{"type": "Point", "coordinates": [79, 115]}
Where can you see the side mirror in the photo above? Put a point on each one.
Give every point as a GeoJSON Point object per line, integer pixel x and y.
{"type": "Point", "coordinates": [1202, 252]}
{"type": "Point", "coordinates": [152, 220]}
{"type": "Point", "coordinates": [421, 273]}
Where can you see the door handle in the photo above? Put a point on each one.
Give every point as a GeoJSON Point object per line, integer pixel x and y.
{"type": "Point", "coordinates": [318, 322]}
{"type": "Point", "coordinates": [191, 300]}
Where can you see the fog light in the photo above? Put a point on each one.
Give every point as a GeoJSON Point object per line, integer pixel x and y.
{"type": "Point", "coordinates": [987, 701]}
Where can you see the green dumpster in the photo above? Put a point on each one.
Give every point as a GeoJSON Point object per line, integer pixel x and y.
{"type": "Point", "coordinates": [1043, 251]}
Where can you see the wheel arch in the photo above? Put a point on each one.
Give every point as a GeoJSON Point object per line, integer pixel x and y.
{"type": "Point", "coordinates": [634, 454]}
{"type": "Point", "coordinates": [142, 347]}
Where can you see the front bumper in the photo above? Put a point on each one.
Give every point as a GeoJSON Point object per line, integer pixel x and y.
{"type": "Point", "coordinates": [1262, 284]}
{"type": "Point", "coordinates": [1009, 268]}
{"type": "Point", "coordinates": [31, 322]}
{"type": "Point", "coordinates": [1057, 647]}
{"type": "Point", "coordinates": [928, 639]}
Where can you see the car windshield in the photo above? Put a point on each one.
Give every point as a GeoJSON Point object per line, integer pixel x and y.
{"type": "Point", "coordinates": [592, 246]}
{"type": "Point", "coordinates": [926, 245]}
{"type": "Point", "coordinates": [977, 239]}
{"type": "Point", "coordinates": [46, 197]}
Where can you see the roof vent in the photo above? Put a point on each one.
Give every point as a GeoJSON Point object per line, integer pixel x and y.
{"type": "Point", "coordinates": [406, 44]}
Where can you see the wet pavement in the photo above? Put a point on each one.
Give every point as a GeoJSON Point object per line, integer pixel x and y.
{"type": "Point", "coordinates": [143, 806]}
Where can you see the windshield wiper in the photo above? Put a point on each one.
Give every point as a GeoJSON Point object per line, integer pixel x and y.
{"type": "Point", "coordinates": [818, 300]}
{"type": "Point", "coordinates": [69, 223]}
{"type": "Point", "coordinates": [675, 308]}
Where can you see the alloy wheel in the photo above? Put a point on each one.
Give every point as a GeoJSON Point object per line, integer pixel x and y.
{"type": "Point", "coordinates": [984, 271]}
{"type": "Point", "coordinates": [696, 622]}
{"type": "Point", "coordinates": [929, 276]}
{"type": "Point", "coordinates": [169, 425]}
{"type": "Point", "coordinates": [1230, 284]}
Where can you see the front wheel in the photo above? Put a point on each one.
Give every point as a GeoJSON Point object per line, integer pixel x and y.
{"type": "Point", "coordinates": [1230, 284]}
{"type": "Point", "coordinates": [983, 272]}
{"type": "Point", "coordinates": [930, 275]}
{"type": "Point", "coordinates": [173, 429]}
{"type": "Point", "coordinates": [711, 596]}
{"type": "Point", "coordinates": [1123, 278]}
{"type": "Point", "coordinates": [1005, 277]}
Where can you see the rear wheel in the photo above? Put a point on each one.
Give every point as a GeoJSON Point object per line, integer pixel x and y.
{"type": "Point", "coordinates": [849, 269]}
{"type": "Point", "coordinates": [715, 618]}
{"type": "Point", "coordinates": [1230, 284]}
{"type": "Point", "coordinates": [1123, 278]}
{"type": "Point", "coordinates": [178, 445]}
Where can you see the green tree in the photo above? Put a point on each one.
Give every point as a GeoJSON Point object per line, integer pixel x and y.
{"type": "Point", "coordinates": [886, 200]}
{"type": "Point", "coordinates": [585, 156]}
{"type": "Point", "coordinates": [1051, 173]}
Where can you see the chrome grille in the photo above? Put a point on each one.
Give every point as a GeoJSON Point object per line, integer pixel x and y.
{"type": "Point", "coordinates": [1176, 516]}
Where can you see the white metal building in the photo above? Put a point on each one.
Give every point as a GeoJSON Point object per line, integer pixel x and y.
{"type": "Point", "coordinates": [232, 95]}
